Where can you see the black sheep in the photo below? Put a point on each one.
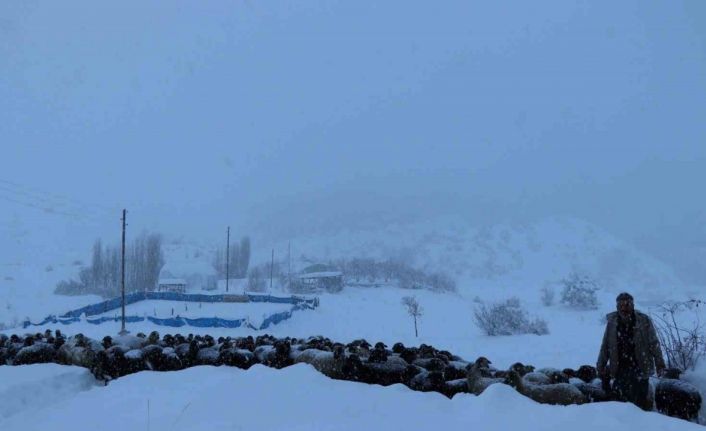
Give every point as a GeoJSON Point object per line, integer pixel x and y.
{"type": "Point", "coordinates": [378, 354]}
{"type": "Point", "coordinates": [35, 353]}
{"type": "Point", "coordinates": [234, 357]}
{"type": "Point", "coordinates": [678, 398]}
{"type": "Point", "coordinates": [398, 348]}
{"type": "Point", "coordinates": [587, 373]}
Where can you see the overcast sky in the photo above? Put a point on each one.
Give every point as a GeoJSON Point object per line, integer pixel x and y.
{"type": "Point", "coordinates": [200, 114]}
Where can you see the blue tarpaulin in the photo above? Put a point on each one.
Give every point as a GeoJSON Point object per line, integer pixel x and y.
{"type": "Point", "coordinates": [74, 316]}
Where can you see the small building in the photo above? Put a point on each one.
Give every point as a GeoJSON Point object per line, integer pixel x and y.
{"type": "Point", "coordinates": [196, 274]}
{"type": "Point", "coordinates": [331, 281]}
{"type": "Point", "coordinates": [177, 285]}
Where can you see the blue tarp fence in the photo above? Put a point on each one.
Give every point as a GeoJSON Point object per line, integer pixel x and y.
{"type": "Point", "coordinates": [74, 316]}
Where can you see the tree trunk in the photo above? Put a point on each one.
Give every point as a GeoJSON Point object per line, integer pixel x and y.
{"type": "Point", "coordinates": [415, 327]}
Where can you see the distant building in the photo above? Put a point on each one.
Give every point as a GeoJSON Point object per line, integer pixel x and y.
{"type": "Point", "coordinates": [177, 285]}
{"type": "Point", "coordinates": [197, 275]}
{"type": "Point", "coordinates": [320, 276]}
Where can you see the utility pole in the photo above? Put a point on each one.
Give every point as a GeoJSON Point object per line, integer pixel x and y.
{"type": "Point", "coordinates": [228, 258]}
{"type": "Point", "coordinates": [272, 264]}
{"type": "Point", "coordinates": [289, 264]}
{"type": "Point", "coordinates": [123, 331]}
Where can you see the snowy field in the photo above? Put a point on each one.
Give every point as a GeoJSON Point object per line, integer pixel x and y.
{"type": "Point", "coordinates": [232, 398]}
{"type": "Point", "coordinates": [295, 398]}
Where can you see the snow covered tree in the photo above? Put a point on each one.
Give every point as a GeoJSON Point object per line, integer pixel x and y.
{"type": "Point", "coordinates": [580, 292]}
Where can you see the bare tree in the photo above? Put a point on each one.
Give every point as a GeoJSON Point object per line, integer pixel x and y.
{"type": "Point", "coordinates": [413, 309]}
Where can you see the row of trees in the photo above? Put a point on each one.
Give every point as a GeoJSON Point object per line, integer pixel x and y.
{"type": "Point", "coordinates": [238, 256]}
{"type": "Point", "coordinates": [143, 260]}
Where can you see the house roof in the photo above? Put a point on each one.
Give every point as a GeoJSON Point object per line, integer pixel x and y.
{"type": "Point", "coordinates": [322, 274]}
{"type": "Point", "coordinates": [165, 281]}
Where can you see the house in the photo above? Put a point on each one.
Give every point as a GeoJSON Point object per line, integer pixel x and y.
{"type": "Point", "coordinates": [196, 275]}
{"type": "Point", "coordinates": [177, 285]}
{"type": "Point", "coordinates": [317, 277]}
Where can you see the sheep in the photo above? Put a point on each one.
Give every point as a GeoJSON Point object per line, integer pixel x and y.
{"type": "Point", "coordinates": [234, 357]}
{"type": "Point", "coordinates": [592, 392]}
{"type": "Point", "coordinates": [188, 353]}
{"type": "Point", "coordinates": [78, 350]}
{"type": "Point", "coordinates": [134, 361]}
{"type": "Point", "coordinates": [557, 393]}
{"type": "Point", "coordinates": [361, 348]}
{"type": "Point", "coordinates": [154, 357]}
{"type": "Point", "coordinates": [426, 351]}
{"type": "Point", "coordinates": [153, 338]}
{"type": "Point", "coordinates": [378, 354]}
{"type": "Point", "coordinates": [168, 341]}
{"type": "Point", "coordinates": [428, 381]}
{"type": "Point", "coordinates": [555, 375]}
{"type": "Point", "coordinates": [247, 343]}
{"type": "Point", "coordinates": [385, 373]}
{"type": "Point", "coordinates": [276, 356]}
{"type": "Point", "coordinates": [537, 378]}
{"type": "Point", "coordinates": [521, 368]}
{"type": "Point", "coordinates": [107, 342]}
{"type": "Point", "coordinates": [430, 364]}
{"type": "Point", "coordinates": [207, 356]}
{"type": "Point", "coordinates": [587, 373]}
{"type": "Point", "coordinates": [35, 353]}
{"type": "Point", "coordinates": [398, 348]}
{"type": "Point", "coordinates": [677, 398]}
{"type": "Point", "coordinates": [110, 364]}
{"type": "Point", "coordinates": [129, 341]}
{"type": "Point", "coordinates": [455, 370]}
{"type": "Point", "coordinates": [3, 355]}
{"type": "Point", "coordinates": [456, 386]}
{"type": "Point", "coordinates": [476, 382]}
{"type": "Point", "coordinates": [409, 355]}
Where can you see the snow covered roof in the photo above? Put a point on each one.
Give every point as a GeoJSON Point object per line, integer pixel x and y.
{"type": "Point", "coordinates": [166, 281]}
{"type": "Point", "coordinates": [323, 274]}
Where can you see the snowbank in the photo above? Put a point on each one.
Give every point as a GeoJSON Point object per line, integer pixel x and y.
{"type": "Point", "coordinates": [299, 398]}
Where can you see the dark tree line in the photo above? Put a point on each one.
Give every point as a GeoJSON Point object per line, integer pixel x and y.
{"type": "Point", "coordinates": [366, 271]}
{"type": "Point", "coordinates": [239, 257]}
{"type": "Point", "coordinates": [143, 261]}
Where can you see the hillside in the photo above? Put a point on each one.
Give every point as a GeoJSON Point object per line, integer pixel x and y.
{"type": "Point", "coordinates": [526, 256]}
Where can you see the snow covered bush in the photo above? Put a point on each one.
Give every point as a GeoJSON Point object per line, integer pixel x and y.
{"type": "Point", "coordinates": [579, 292]}
{"type": "Point", "coordinates": [508, 318]}
{"type": "Point", "coordinates": [547, 296]}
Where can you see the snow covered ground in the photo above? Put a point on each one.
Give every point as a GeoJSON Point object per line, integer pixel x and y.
{"type": "Point", "coordinates": [377, 315]}
{"type": "Point", "coordinates": [295, 398]}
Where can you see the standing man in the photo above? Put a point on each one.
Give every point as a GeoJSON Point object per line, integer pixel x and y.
{"type": "Point", "coordinates": [629, 353]}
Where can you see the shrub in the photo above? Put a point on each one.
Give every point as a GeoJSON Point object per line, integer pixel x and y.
{"type": "Point", "coordinates": [547, 296]}
{"type": "Point", "coordinates": [508, 318]}
{"type": "Point", "coordinates": [579, 292]}
{"type": "Point", "coordinates": [683, 344]}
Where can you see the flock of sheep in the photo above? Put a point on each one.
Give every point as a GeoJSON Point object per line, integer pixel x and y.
{"type": "Point", "coordinates": [422, 368]}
